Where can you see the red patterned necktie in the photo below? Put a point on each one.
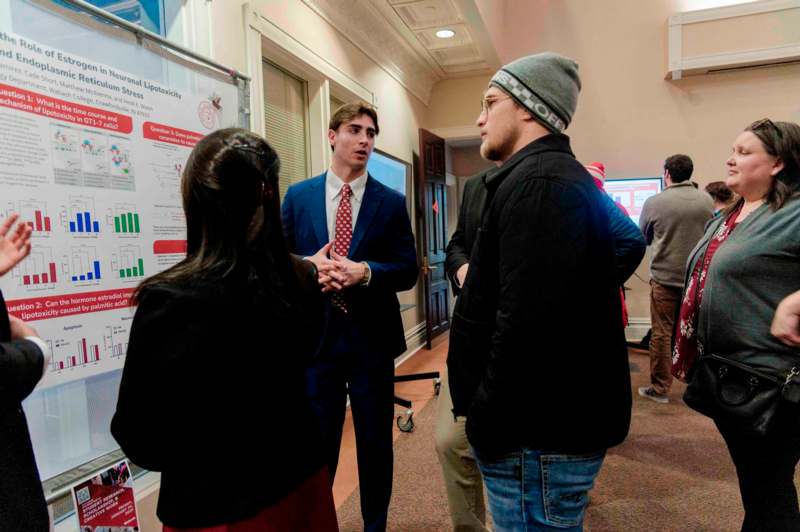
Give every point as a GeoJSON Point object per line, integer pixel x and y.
{"type": "Point", "coordinates": [343, 227]}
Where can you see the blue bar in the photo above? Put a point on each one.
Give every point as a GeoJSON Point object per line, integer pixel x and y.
{"type": "Point", "coordinates": [97, 269]}
{"type": "Point", "coordinates": [82, 277]}
{"type": "Point", "coordinates": [72, 227]}
{"type": "Point", "coordinates": [87, 222]}
{"type": "Point", "coordinates": [89, 276]}
{"type": "Point", "coordinates": [96, 226]}
{"type": "Point", "coordinates": [74, 277]}
{"type": "Point", "coordinates": [80, 223]}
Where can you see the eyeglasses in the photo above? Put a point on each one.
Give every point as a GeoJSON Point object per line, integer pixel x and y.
{"type": "Point", "coordinates": [487, 103]}
{"type": "Point", "coordinates": [765, 123]}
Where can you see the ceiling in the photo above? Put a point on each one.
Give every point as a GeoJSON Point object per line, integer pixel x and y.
{"type": "Point", "coordinates": [399, 35]}
{"type": "Point", "coordinates": [465, 53]}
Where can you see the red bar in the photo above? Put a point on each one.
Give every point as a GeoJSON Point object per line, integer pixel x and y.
{"type": "Point", "coordinates": [96, 353]}
{"type": "Point", "coordinates": [36, 279]}
{"type": "Point", "coordinates": [53, 278]}
{"type": "Point", "coordinates": [169, 246]}
{"type": "Point", "coordinates": [38, 215]}
{"type": "Point", "coordinates": [74, 361]}
{"type": "Point", "coordinates": [30, 224]}
{"type": "Point", "coordinates": [61, 365]}
{"type": "Point", "coordinates": [44, 278]}
{"type": "Point", "coordinates": [26, 279]}
{"type": "Point", "coordinates": [85, 358]}
{"type": "Point", "coordinates": [83, 343]}
{"type": "Point", "coordinates": [46, 223]}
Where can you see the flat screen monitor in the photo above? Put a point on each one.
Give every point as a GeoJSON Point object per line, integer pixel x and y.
{"type": "Point", "coordinates": [632, 193]}
{"type": "Point", "coordinates": [389, 170]}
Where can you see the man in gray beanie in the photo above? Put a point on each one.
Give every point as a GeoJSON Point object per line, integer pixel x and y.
{"type": "Point", "coordinates": [536, 328]}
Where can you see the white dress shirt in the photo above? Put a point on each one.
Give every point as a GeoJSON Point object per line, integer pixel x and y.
{"type": "Point", "coordinates": [333, 193]}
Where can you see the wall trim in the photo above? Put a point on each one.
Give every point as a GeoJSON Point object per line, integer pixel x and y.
{"type": "Point", "coordinates": [300, 59]}
{"type": "Point", "coordinates": [379, 40]}
{"type": "Point", "coordinates": [679, 66]}
{"type": "Point", "coordinates": [739, 10]}
{"type": "Point", "coordinates": [636, 329]}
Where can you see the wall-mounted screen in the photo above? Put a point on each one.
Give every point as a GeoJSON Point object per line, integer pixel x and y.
{"type": "Point", "coordinates": [389, 170]}
{"type": "Point", "coordinates": [632, 193]}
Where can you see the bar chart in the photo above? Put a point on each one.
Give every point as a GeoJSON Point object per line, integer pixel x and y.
{"type": "Point", "coordinates": [34, 213]}
{"type": "Point", "coordinates": [84, 265]}
{"type": "Point", "coordinates": [82, 219]}
{"type": "Point", "coordinates": [116, 340]}
{"type": "Point", "coordinates": [38, 269]}
{"type": "Point", "coordinates": [126, 219]}
{"type": "Point", "coordinates": [128, 262]}
{"type": "Point", "coordinates": [67, 355]}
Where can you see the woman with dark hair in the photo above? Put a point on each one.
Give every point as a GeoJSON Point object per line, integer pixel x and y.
{"type": "Point", "coordinates": [720, 194]}
{"type": "Point", "coordinates": [746, 263]}
{"type": "Point", "coordinates": [213, 392]}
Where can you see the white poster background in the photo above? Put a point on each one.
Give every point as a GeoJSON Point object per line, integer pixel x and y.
{"type": "Point", "coordinates": [91, 155]}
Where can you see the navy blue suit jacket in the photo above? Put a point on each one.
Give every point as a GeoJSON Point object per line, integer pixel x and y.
{"type": "Point", "coordinates": [382, 237]}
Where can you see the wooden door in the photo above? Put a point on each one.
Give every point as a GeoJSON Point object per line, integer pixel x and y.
{"type": "Point", "coordinates": [432, 209]}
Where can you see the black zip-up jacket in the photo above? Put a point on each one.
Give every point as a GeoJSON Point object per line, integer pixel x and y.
{"type": "Point", "coordinates": [537, 353]}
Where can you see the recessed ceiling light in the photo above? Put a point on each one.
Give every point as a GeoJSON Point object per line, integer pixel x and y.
{"type": "Point", "coordinates": [445, 34]}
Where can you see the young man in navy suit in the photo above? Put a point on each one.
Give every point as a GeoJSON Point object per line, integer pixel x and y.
{"type": "Point", "coordinates": [358, 234]}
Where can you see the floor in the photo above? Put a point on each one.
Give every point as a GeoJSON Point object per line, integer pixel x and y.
{"type": "Point", "coordinates": [419, 392]}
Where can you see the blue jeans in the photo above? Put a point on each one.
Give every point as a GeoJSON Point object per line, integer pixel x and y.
{"type": "Point", "coordinates": [533, 490]}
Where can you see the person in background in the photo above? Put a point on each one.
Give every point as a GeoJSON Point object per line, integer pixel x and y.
{"type": "Point", "coordinates": [539, 430]}
{"type": "Point", "coordinates": [24, 358]}
{"type": "Point", "coordinates": [358, 234]}
{"type": "Point", "coordinates": [672, 222]}
{"type": "Point", "coordinates": [720, 194]}
{"type": "Point", "coordinates": [462, 477]}
{"type": "Point", "coordinates": [213, 390]}
{"type": "Point", "coordinates": [737, 276]}
{"type": "Point", "coordinates": [629, 244]}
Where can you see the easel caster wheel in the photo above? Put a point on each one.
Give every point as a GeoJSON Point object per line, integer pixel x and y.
{"type": "Point", "coordinates": [408, 424]}
{"type": "Point", "coordinates": [437, 386]}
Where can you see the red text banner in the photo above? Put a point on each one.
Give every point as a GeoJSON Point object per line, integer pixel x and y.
{"type": "Point", "coordinates": [170, 135]}
{"type": "Point", "coordinates": [44, 308]}
{"type": "Point", "coordinates": [39, 104]}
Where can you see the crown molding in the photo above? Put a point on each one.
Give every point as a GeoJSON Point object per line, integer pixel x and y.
{"type": "Point", "coordinates": [369, 30]}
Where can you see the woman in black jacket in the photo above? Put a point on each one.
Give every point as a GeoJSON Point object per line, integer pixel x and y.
{"type": "Point", "coordinates": [213, 390]}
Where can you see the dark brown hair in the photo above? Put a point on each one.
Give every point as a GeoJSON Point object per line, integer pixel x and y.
{"type": "Point", "coordinates": [351, 111]}
{"type": "Point", "coordinates": [230, 197]}
{"type": "Point", "coordinates": [781, 140]}
{"type": "Point", "coordinates": [719, 191]}
{"type": "Point", "coordinates": [680, 167]}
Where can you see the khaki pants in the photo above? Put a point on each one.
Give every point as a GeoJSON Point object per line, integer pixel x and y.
{"type": "Point", "coordinates": [462, 478]}
{"type": "Point", "coordinates": [664, 301]}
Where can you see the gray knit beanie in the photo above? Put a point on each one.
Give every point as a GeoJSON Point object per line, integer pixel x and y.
{"type": "Point", "coordinates": [545, 84]}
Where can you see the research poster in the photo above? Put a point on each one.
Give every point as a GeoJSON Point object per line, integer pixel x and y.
{"type": "Point", "coordinates": [91, 157]}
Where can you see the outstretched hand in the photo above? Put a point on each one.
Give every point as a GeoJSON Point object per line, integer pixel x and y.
{"type": "Point", "coordinates": [14, 244]}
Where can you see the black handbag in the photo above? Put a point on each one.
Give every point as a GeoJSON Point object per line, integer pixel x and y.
{"type": "Point", "coordinates": [741, 394]}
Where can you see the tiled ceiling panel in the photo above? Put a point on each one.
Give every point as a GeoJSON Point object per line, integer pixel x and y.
{"type": "Point", "coordinates": [429, 39]}
{"type": "Point", "coordinates": [426, 13]}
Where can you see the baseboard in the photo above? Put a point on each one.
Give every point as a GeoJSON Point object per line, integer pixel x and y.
{"type": "Point", "coordinates": [415, 339]}
{"type": "Point", "coordinates": [636, 329]}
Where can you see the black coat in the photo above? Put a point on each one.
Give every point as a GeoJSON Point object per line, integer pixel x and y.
{"type": "Point", "coordinates": [459, 247]}
{"type": "Point", "coordinates": [213, 395]}
{"type": "Point", "coordinates": [22, 504]}
{"type": "Point", "coordinates": [537, 352]}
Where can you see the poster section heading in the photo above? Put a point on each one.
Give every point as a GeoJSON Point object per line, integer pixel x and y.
{"type": "Point", "coordinates": [42, 308]}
